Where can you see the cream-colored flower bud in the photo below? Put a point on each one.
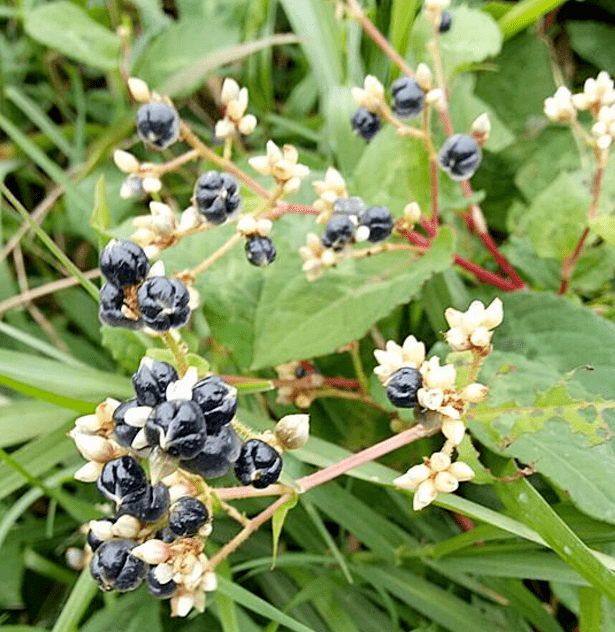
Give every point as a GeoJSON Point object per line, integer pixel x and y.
{"type": "Point", "coordinates": [89, 472]}
{"type": "Point", "coordinates": [373, 87]}
{"type": "Point", "coordinates": [461, 471]}
{"type": "Point", "coordinates": [125, 161]}
{"type": "Point", "coordinates": [580, 102]}
{"type": "Point", "coordinates": [126, 527]}
{"type": "Point", "coordinates": [424, 77]}
{"type": "Point", "coordinates": [137, 416]}
{"type": "Point", "coordinates": [181, 605]}
{"type": "Point", "coordinates": [481, 337]}
{"type": "Point", "coordinates": [454, 430]}
{"type": "Point", "coordinates": [151, 184]}
{"type": "Point", "coordinates": [102, 529]}
{"type": "Point", "coordinates": [140, 441]}
{"type": "Point", "coordinates": [190, 219]}
{"type": "Point", "coordinates": [413, 477]}
{"type": "Point", "coordinates": [446, 483]}
{"type": "Point", "coordinates": [139, 90]}
{"type": "Point", "coordinates": [293, 431]}
{"type": "Point", "coordinates": [152, 552]}
{"type": "Point", "coordinates": [362, 233]}
{"type": "Point", "coordinates": [439, 461]}
{"type": "Point", "coordinates": [358, 94]}
{"type": "Point", "coordinates": [94, 448]}
{"type": "Point", "coordinates": [210, 582]}
{"type": "Point", "coordinates": [430, 398]}
{"type": "Point", "coordinates": [259, 163]}
{"type": "Point", "coordinates": [435, 98]}
{"type": "Point", "coordinates": [454, 318]}
{"type": "Point", "coordinates": [247, 124]}
{"type": "Point", "coordinates": [160, 209]}
{"type": "Point", "coordinates": [604, 142]}
{"type": "Point", "coordinates": [494, 314]}
{"type": "Point", "coordinates": [457, 340]}
{"type": "Point", "coordinates": [230, 90]}
{"type": "Point", "coordinates": [482, 125]}
{"type": "Point", "coordinates": [425, 494]}
{"type": "Point", "coordinates": [475, 393]}
{"type": "Point", "coordinates": [88, 424]}
{"type": "Point", "coordinates": [75, 558]}
{"type": "Point", "coordinates": [236, 109]}
{"type": "Point", "coordinates": [223, 129]}
{"type": "Point", "coordinates": [264, 227]}
{"type": "Point", "coordinates": [163, 573]}
{"type": "Point", "coordinates": [412, 212]}
{"type": "Point", "coordinates": [292, 186]}
{"type": "Point", "coordinates": [247, 225]}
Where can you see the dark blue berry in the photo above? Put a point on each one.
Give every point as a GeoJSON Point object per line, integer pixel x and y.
{"type": "Point", "coordinates": [110, 310]}
{"type": "Point", "coordinates": [187, 516]}
{"type": "Point", "coordinates": [214, 460]}
{"type": "Point", "coordinates": [460, 156]}
{"type": "Point", "coordinates": [178, 428]}
{"type": "Point", "coordinates": [379, 221]}
{"type": "Point", "coordinates": [408, 97]}
{"type": "Point", "coordinates": [260, 251]}
{"type": "Point", "coordinates": [124, 434]}
{"type": "Point", "coordinates": [151, 380]}
{"type": "Point", "coordinates": [114, 568]}
{"type": "Point", "coordinates": [123, 479]}
{"type": "Point", "coordinates": [445, 22]}
{"type": "Point", "coordinates": [365, 123]}
{"type": "Point", "coordinates": [163, 303]}
{"type": "Point", "coordinates": [258, 464]}
{"type": "Point", "coordinates": [166, 535]}
{"type": "Point", "coordinates": [158, 590]}
{"type": "Point", "coordinates": [157, 125]}
{"type": "Point", "coordinates": [216, 196]}
{"type": "Point", "coordinates": [217, 401]}
{"type": "Point", "coordinates": [123, 263]}
{"type": "Point", "coordinates": [403, 386]}
{"type": "Point", "coordinates": [338, 232]}
{"type": "Point", "coordinates": [154, 505]}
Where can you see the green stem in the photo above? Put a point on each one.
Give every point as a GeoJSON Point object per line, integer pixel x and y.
{"type": "Point", "coordinates": [78, 602]}
{"type": "Point", "coordinates": [358, 366]}
{"type": "Point", "coordinates": [180, 358]}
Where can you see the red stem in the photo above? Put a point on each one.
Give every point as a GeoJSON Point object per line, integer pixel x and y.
{"type": "Point", "coordinates": [484, 275]}
{"type": "Point", "coordinates": [433, 176]}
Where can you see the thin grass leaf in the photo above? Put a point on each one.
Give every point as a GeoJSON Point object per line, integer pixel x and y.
{"type": "Point", "coordinates": [78, 602]}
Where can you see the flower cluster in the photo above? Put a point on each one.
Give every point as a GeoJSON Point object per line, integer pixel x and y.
{"type": "Point", "coordinates": [235, 101]}
{"type": "Point", "coordinates": [328, 190]}
{"type": "Point", "coordinates": [412, 381]}
{"type": "Point", "coordinates": [185, 429]}
{"type": "Point", "coordinates": [282, 165]}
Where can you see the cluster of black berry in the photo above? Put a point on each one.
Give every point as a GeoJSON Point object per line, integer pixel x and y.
{"type": "Point", "coordinates": [403, 386]}
{"type": "Point", "coordinates": [216, 196]}
{"type": "Point", "coordinates": [352, 222]}
{"type": "Point", "coordinates": [129, 299]}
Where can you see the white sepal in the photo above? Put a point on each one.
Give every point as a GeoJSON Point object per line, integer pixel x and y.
{"type": "Point", "coordinates": [152, 552]}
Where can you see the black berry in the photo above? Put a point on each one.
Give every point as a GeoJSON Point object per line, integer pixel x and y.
{"type": "Point", "coordinates": [124, 434]}
{"type": "Point", "coordinates": [445, 22]}
{"type": "Point", "coordinates": [153, 506]}
{"type": "Point", "coordinates": [403, 386]}
{"type": "Point", "coordinates": [365, 123]}
{"type": "Point", "coordinates": [460, 156]}
{"type": "Point", "coordinates": [178, 427]}
{"type": "Point", "coordinates": [158, 590]}
{"type": "Point", "coordinates": [110, 310]}
{"type": "Point", "coordinates": [260, 251]}
{"type": "Point", "coordinates": [93, 540]}
{"type": "Point", "coordinates": [379, 221]}
{"type": "Point", "coordinates": [217, 401]}
{"type": "Point", "coordinates": [157, 125]}
{"type": "Point", "coordinates": [338, 232]}
{"type": "Point", "coordinates": [187, 516]}
{"type": "Point", "coordinates": [114, 568]}
{"type": "Point", "coordinates": [122, 479]}
{"type": "Point", "coordinates": [123, 263]}
{"type": "Point", "coordinates": [163, 303]}
{"type": "Point", "coordinates": [216, 196]}
{"type": "Point", "coordinates": [151, 380]}
{"type": "Point", "coordinates": [214, 460]}
{"type": "Point", "coordinates": [258, 464]}
{"type": "Point", "coordinates": [408, 97]}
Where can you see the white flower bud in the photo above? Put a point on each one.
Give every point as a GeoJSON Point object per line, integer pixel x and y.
{"type": "Point", "coordinates": [181, 605]}
{"type": "Point", "coordinates": [163, 573]}
{"type": "Point", "coordinates": [152, 552]}
{"type": "Point", "coordinates": [102, 529]}
{"type": "Point", "coordinates": [475, 393]}
{"type": "Point", "coordinates": [236, 109]}
{"type": "Point", "coordinates": [151, 184]}
{"type": "Point", "coordinates": [482, 125]}
{"type": "Point", "coordinates": [139, 90]}
{"type": "Point", "coordinates": [140, 441]}
{"type": "Point", "coordinates": [230, 91]}
{"type": "Point", "coordinates": [264, 227]}
{"type": "Point", "coordinates": [446, 482]}
{"type": "Point", "coordinates": [89, 472]}
{"type": "Point", "coordinates": [494, 314]}
{"type": "Point", "coordinates": [292, 186]}
{"type": "Point", "coordinates": [94, 448]}
{"type": "Point", "coordinates": [88, 424]}
{"type": "Point", "coordinates": [293, 431]}
{"type": "Point", "coordinates": [75, 558]}
{"type": "Point", "coordinates": [223, 129]}
{"type": "Point", "coordinates": [362, 234]}
{"type": "Point", "coordinates": [190, 219]}
{"type": "Point", "coordinates": [425, 494]}
{"type": "Point", "coordinates": [412, 212]}
{"type": "Point", "coordinates": [439, 461]}
{"type": "Point", "coordinates": [424, 77]}
{"type": "Point", "coordinates": [210, 582]}
{"type": "Point", "coordinates": [454, 430]}
{"type": "Point", "coordinates": [461, 471]}
{"type": "Point", "coordinates": [125, 161]}
{"type": "Point", "coordinates": [137, 416]}
{"type": "Point", "coordinates": [247, 225]}
{"type": "Point", "coordinates": [430, 398]}
{"type": "Point", "coordinates": [481, 337]}
{"type": "Point", "coordinates": [454, 318]}
{"type": "Point", "coordinates": [413, 477]}
{"type": "Point", "coordinates": [126, 526]}
{"type": "Point", "coordinates": [435, 97]}
{"type": "Point", "coordinates": [259, 163]}
{"type": "Point", "coordinates": [247, 124]}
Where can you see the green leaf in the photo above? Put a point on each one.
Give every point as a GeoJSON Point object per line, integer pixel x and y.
{"type": "Point", "coordinates": [35, 418]}
{"type": "Point", "coordinates": [590, 601]}
{"type": "Point", "coordinates": [101, 216]}
{"type": "Point", "coordinates": [78, 602]}
{"type": "Point", "coordinates": [127, 347]}
{"type": "Point", "coordinates": [299, 319]}
{"type": "Point", "coordinates": [277, 522]}
{"type": "Point", "coordinates": [604, 226]}
{"type": "Point", "coordinates": [524, 14]}
{"type": "Point", "coordinates": [556, 217]}
{"type": "Point", "coordinates": [70, 30]}
{"type": "Point", "coordinates": [594, 42]}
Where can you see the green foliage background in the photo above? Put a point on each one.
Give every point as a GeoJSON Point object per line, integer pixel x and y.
{"type": "Point", "coordinates": [353, 556]}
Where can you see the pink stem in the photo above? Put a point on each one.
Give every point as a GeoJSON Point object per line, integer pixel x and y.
{"type": "Point", "coordinates": [484, 275]}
